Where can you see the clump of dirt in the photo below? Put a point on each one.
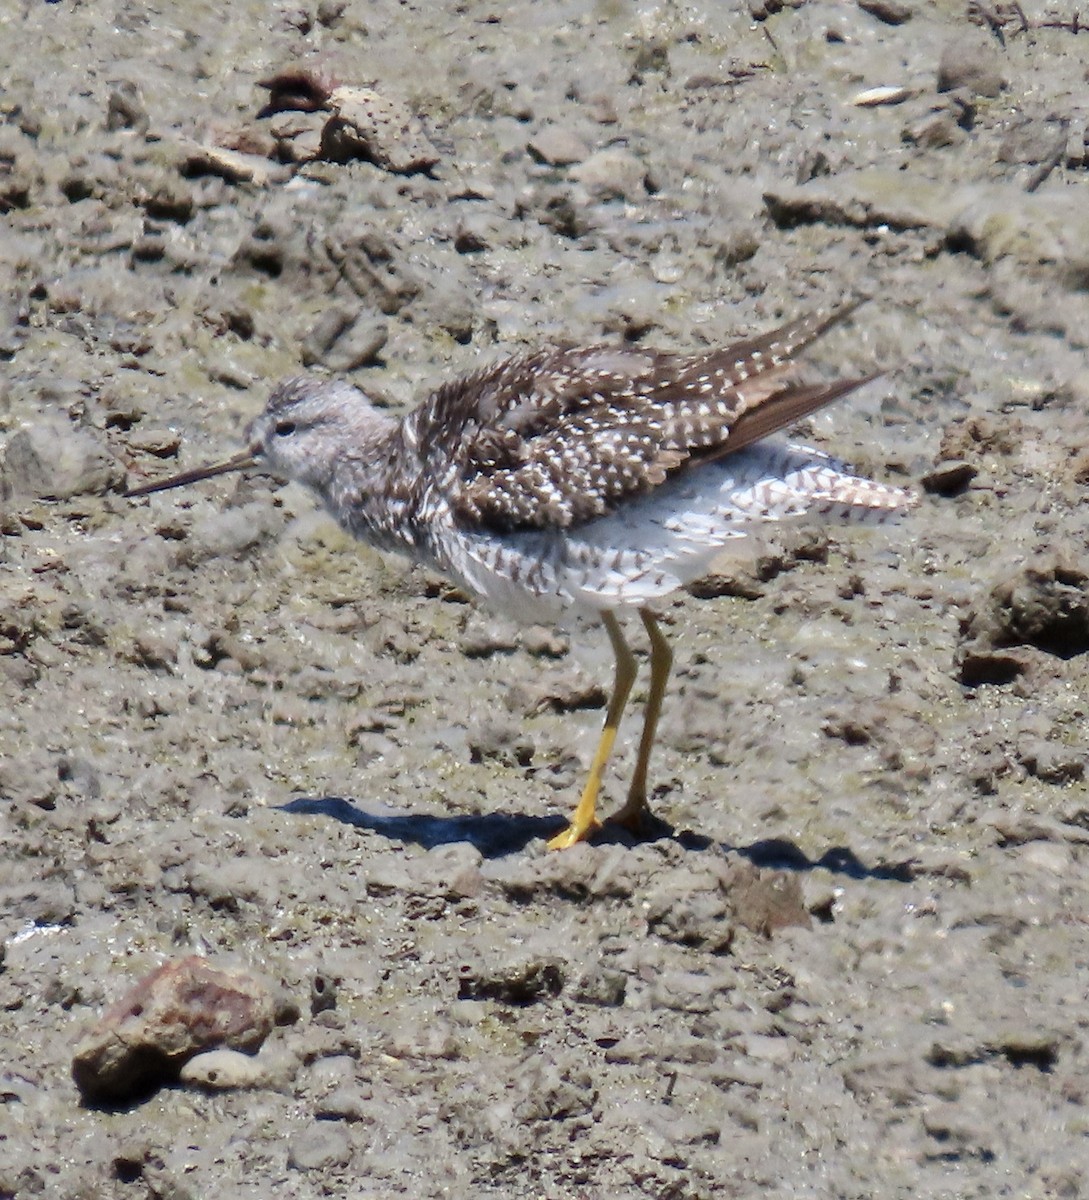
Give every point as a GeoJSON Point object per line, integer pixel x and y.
{"type": "Point", "coordinates": [1044, 605]}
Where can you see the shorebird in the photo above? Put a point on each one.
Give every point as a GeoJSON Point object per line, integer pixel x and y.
{"type": "Point", "coordinates": [591, 481]}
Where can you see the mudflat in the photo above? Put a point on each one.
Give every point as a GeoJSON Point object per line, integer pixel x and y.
{"type": "Point", "coordinates": [855, 961]}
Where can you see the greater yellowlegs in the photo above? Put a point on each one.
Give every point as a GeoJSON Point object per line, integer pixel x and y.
{"type": "Point", "coordinates": [592, 480]}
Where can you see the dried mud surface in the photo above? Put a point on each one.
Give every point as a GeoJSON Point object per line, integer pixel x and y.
{"type": "Point", "coordinates": [858, 965]}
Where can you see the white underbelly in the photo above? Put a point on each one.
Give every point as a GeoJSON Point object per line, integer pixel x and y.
{"type": "Point", "coordinates": [657, 543]}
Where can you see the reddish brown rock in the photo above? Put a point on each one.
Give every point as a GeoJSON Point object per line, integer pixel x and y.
{"type": "Point", "coordinates": [185, 1006]}
{"type": "Point", "coordinates": [298, 89]}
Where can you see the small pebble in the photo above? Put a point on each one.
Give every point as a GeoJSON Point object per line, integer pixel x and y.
{"type": "Point", "coordinates": [949, 478]}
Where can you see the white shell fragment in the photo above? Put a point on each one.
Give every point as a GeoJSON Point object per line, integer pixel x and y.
{"type": "Point", "coordinates": [874, 97]}
{"type": "Point", "coordinates": [230, 164]}
{"type": "Point", "coordinates": [222, 1070]}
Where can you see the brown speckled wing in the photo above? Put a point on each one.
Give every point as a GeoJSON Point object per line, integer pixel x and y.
{"type": "Point", "coordinates": [559, 437]}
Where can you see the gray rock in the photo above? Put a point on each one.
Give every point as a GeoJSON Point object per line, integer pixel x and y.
{"type": "Point", "coordinates": [334, 321]}
{"type": "Point", "coordinates": [485, 636]}
{"type": "Point", "coordinates": [358, 346]}
{"type": "Point", "coordinates": [322, 1146]}
{"type": "Point", "coordinates": [330, 12]}
{"type": "Point", "coordinates": [957, 1132]}
{"type": "Point", "coordinates": [454, 870]}
{"type": "Point", "coordinates": [350, 1102]}
{"type": "Point", "coordinates": [971, 62]}
{"type": "Point", "coordinates": [612, 174]}
{"type": "Point", "coordinates": [377, 129]}
{"type": "Point", "coordinates": [55, 460]}
{"type": "Point", "coordinates": [297, 136]}
{"type": "Point", "coordinates": [872, 197]}
{"type": "Point", "coordinates": [601, 986]}
{"type": "Point", "coordinates": [949, 477]}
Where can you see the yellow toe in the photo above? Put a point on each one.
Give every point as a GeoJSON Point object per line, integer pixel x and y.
{"type": "Point", "coordinates": [576, 832]}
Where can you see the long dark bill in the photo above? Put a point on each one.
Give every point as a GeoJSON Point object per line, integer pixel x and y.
{"type": "Point", "coordinates": [239, 463]}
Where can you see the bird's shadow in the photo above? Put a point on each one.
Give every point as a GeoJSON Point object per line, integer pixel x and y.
{"type": "Point", "coordinates": [496, 835]}
{"type": "Point", "coordinates": [781, 854]}
{"type": "Point", "coordinates": [493, 834]}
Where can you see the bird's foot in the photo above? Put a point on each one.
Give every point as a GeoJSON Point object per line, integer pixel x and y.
{"type": "Point", "coordinates": [577, 831]}
{"type": "Point", "coordinates": [635, 816]}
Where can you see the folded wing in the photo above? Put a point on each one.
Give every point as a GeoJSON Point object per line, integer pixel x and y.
{"type": "Point", "coordinates": [562, 436]}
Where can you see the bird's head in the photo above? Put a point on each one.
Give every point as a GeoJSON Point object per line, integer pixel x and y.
{"type": "Point", "coordinates": [307, 425]}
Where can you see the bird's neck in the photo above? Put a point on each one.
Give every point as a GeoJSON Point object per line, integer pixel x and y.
{"type": "Point", "coordinates": [373, 487]}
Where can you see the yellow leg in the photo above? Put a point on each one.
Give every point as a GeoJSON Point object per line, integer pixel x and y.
{"type": "Point", "coordinates": [634, 814]}
{"type": "Point", "coordinates": [585, 821]}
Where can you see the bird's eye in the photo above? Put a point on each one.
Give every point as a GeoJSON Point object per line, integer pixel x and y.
{"type": "Point", "coordinates": [284, 428]}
